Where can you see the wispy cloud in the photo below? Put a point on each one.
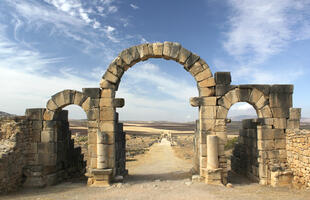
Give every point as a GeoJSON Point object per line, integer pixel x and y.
{"type": "Point", "coordinates": [262, 28]}
{"type": "Point", "coordinates": [135, 7]}
{"type": "Point", "coordinates": [258, 30]}
{"type": "Point", "coordinates": [152, 94]}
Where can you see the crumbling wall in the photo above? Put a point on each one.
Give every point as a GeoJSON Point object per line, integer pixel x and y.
{"type": "Point", "coordinates": [14, 137]}
{"type": "Point", "coordinates": [298, 156]}
{"type": "Point", "coordinates": [245, 154]}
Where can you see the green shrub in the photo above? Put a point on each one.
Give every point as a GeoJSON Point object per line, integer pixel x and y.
{"type": "Point", "coordinates": [231, 143]}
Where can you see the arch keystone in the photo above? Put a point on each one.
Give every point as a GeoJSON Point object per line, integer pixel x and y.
{"type": "Point", "coordinates": [158, 49]}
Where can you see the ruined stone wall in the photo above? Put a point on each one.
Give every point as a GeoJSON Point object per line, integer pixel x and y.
{"type": "Point", "coordinates": [14, 137]}
{"type": "Point", "coordinates": [298, 155]}
{"type": "Point", "coordinates": [245, 154]}
{"type": "Point", "coordinates": [35, 152]}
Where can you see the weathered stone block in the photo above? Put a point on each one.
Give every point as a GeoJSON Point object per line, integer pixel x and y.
{"type": "Point", "coordinates": [255, 96]}
{"type": "Point", "coordinates": [195, 101]}
{"type": "Point", "coordinates": [118, 102]}
{"type": "Point", "coordinates": [280, 112]}
{"type": "Point", "coordinates": [107, 85]}
{"type": "Point", "coordinates": [175, 50]}
{"type": "Point", "coordinates": [282, 89]}
{"type": "Point", "coordinates": [295, 113]}
{"type": "Point", "coordinates": [206, 91]}
{"type": "Point", "coordinates": [107, 114]}
{"type": "Point", "coordinates": [265, 145]}
{"type": "Point", "coordinates": [158, 49]}
{"type": "Point", "coordinates": [111, 77]}
{"type": "Point", "coordinates": [221, 90]}
{"type": "Point", "coordinates": [279, 123]}
{"type": "Point", "coordinates": [106, 102]}
{"type": "Point", "coordinates": [293, 124]}
{"type": "Point", "coordinates": [86, 104]}
{"type": "Point", "coordinates": [261, 102]}
{"type": "Point", "coordinates": [208, 112]}
{"type": "Point", "coordinates": [129, 56]}
{"type": "Point", "coordinates": [205, 78]}
{"type": "Point", "coordinates": [183, 55]}
{"type": "Point", "coordinates": [280, 143]}
{"type": "Point", "coordinates": [48, 136]}
{"type": "Point", "coordinates": [265, 112]}
{"type": "Point", "coordinates": [208, 101]}
{"type": "Point", "coordinates": [35, 113]}
{"type": "Point", "coordinates": [47, 147]}
{"type": "Point", "coordinates": [221, 112]}
{"type": "Point", "coordinates": [245, 94]}
{"type": "Point", "coordinates": [92, 92]}
{"type": "Point", "coordinates": [48, 159]}
{"type": "Point", "coordinates": [107, 126]}
{"type": "Point", "coordinates": [223, 101]}
{"type": "Point", "coordinates": [94, 103]}
{"type": "Point", "coordinates": [190, 61]}
{"type": "Point", "coordinates": [233, 96]}
{"type": "Point", "coordinates": [196, 68]}
{"type": "Point", "coordinates": [107, 93]}
{"type": "Point", "coordinates": [283, 100]}
{"type": "Point", "coordinates": [207, 123]}
{"type": "Point", "coordinates": [93, 114]}
{"type": "Point", "coordinates": [222, 78]}
{"type": "Point", "coordinates": [167, 49]}
{"type": "Point", "coordinates": [79, 98]}
{"type": "Point", "coordinates": [143, 50]}
{"type": "Point", "coordinates": [116, 70]}
{"type": "Point", "coordinates": [51, 105]}
{"type": "Point", "coordinates": [268, 134]}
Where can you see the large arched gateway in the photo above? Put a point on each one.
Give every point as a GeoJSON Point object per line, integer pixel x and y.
{"type": "Point", "coordinates": [216, 95]}
{"type": "Point", "coordinates": [264, 137]}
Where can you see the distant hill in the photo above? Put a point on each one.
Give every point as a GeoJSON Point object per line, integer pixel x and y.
{"type": "Point", "coordinates": [4, 114]}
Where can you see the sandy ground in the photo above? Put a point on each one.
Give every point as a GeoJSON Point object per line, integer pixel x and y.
{"type": "Point", "coordinates": [159, 174]}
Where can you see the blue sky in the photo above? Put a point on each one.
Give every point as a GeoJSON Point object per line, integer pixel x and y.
{"type": "Point", "coordinates": [50, 45]}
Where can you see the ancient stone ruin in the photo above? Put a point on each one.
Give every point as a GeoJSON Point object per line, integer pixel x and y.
{"type": "Point", "coordinates": [37, 150]}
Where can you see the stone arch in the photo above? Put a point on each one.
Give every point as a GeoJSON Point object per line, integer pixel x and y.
{"type": "Point", "coordinates": [251, 95]}
{"type": "Point", "coordinates": [192, 63]}
{"type": "Point", "coordinates": [109, 83]}
{"type": "Point", "coordinates": [65, 98]}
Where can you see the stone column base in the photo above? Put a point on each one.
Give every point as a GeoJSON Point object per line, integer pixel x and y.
{"type": "Point", "coordinates": [213, 176]}
{"type": "Point", "coordinates": [279, 178]}
{"type": "Point", "coordinates": [99, 178]}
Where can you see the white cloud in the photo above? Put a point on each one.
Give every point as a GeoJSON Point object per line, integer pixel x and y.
{"type": "Point", "coordinates": [152, 94]}
{"type": "Point", "coordinates": [258, 30]}
{"type": "Point", "coordinates": [135, 7]}
{"type": "Point", "coordinates": [261, 28]}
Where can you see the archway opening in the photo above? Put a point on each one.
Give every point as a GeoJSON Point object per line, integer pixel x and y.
{"type": "Point", "coordinates": [158, 120]}
{"type": "Point", "coordinates": [76, 124]}
{"type": "Point", "coordinates": [241, 147]}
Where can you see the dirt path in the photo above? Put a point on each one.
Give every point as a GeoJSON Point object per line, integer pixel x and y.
{"type": "Point", "coordinates": [159, 175]}
{"type": "Point", "coordinates": [159, 163]}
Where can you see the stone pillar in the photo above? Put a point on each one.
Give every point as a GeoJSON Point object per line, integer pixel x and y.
{"type": "Point", "coordinates": [102, 150]}
{"type": "Point", "coordinates": [212, 151]}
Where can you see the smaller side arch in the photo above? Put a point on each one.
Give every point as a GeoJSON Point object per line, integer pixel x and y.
{"type": "Point", "coordinates": [63, 99]}
{"type": "Point", "coordinates": [253, 96]}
